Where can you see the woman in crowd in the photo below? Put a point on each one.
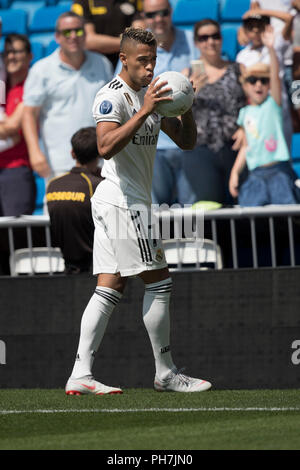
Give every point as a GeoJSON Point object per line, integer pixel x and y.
{"type": "Point", "coordinates": [219, 98]}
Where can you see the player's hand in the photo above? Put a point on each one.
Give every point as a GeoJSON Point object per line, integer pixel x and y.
{"type": "Point", "coordinates": [40, 165]}
{"type": "Point", "coordinates": [234, 184]}
{"type": "Point", "coordinates": [154, 95]}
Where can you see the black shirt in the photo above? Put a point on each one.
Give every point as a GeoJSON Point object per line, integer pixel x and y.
{"type": "Point", "coordinates": [109, 17]}
{"type": "Point", "coordinates": [69, 206]}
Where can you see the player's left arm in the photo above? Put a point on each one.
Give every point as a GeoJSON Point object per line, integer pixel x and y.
{"type": "Point", "coordinates": [182, 130]}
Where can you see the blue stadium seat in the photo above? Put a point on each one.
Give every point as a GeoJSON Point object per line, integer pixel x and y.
{"type": "Point", "coordinates": [5, 4]}
{"type": "Point", "coordinates": [295, 153]}
{"type": "Point", "coordinates": [296, 147]}
{"type": "Point", "coordinates": [13, 21]}
{"type": "Point", "coordinates": [44, 19]}
{"type": "Point", "coordinates": [40, 194]}
{"type": "Point", "coordinates": [51, 47]}
{"type": "Point", "coordinates": [230, 43]}
{"type": "Point", "coordinates": [233, 10]}
{"type": "Point", "coordinates": [296, 167]}
{"type": "Point", "coordinates": [191, 11]}
{"type": "Point", "coordinates": [66, 3]}
{"type": "Point", "coordinates": [29, 6]}
{"type": "Point", "coordinates": [43, 38]}
{"type": "Point", "coordinates": [37, 50]}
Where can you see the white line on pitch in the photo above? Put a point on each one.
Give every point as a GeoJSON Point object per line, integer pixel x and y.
{"type": "Point", "coordinates": [153, 410]}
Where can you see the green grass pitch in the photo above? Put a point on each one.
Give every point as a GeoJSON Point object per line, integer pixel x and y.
{"type": "Point", "coordinates": [142, 419]}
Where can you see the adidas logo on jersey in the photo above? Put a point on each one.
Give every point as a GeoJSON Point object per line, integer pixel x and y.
{"type": "Point", "coordinates": [115, 84]}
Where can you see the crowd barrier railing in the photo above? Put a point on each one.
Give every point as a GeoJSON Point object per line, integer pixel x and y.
{"type": "Point", "coordinates": [287, 214]}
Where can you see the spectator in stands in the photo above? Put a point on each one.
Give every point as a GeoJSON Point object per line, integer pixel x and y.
{"type": "Point", "coordinates": [59, 94]}
{"type": "Point", "coordinates": [254, 23]}
{"type": "Point", "coordinates": [175, 51]}
{"type": "Point", "coordinates": [2, 73]}
{"type": "Point", "coordinates": [295, 86]}
{"type": "Point", "coordinates": [216, 108]}
{"type": "Point", "coordinates": [68, 199]}
{"type": "Point", "coordinates": [271, 179]}
{"type": "Point", "coordinates": [104, 22]}
{"type": "Point", "coordinates": [17, 185]}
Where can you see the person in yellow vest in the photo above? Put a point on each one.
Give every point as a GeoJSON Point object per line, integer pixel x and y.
{"type": "Point", "coordinates": [105, 20]}
{"type": "Point", "coordinates": [68, 200]}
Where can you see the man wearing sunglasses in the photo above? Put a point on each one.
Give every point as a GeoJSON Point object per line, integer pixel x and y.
{"type": "Point", "coordinates": [175, 51]}
{"type": "Point", "coordinates": [59, 95]}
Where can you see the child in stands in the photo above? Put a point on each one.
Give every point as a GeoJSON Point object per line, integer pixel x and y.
{"type": "Point", "coordinates": [271, 177]}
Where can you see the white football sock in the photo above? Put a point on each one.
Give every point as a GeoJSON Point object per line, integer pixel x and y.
{"type": "Point", "coordinates": [93, 325]}
{"type": "Point", "coordinates": [157, 322]}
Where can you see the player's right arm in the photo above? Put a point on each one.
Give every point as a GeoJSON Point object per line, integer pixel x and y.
{"type": "Point", "coordinates": [112, 137]}
{"type": "Point", "coordinates": [37, 159]}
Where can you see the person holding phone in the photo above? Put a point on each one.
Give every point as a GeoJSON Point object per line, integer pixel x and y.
{"type": "Point", "coordinates": [219, 97]}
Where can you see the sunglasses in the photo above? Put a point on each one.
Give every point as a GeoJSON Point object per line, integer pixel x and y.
{"type": "Point", "coordinates": [67, 32]}
{"type": "Point", "coordinates": [153, 14]}
{"type": "Point", "coordinates": [252, 80]}
{"type": "Point", "coordinates": [13, 51]}
{"type": "Point", "coordinates": [205, 37]}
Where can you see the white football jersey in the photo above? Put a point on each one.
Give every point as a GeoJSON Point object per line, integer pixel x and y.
{"type": "Point", "coordinates": [128, 174]}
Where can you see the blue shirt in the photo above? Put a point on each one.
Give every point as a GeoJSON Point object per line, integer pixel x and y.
{"type": "Point", "coordinates": [65, 96]}
{"type": "Point", "coordinates": [178, 58]}
{"type": "Point", "coordinates": [264, 132]}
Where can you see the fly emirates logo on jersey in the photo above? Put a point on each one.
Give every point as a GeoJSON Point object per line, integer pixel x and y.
{"type": "Point", "coordinates": [148, 133]}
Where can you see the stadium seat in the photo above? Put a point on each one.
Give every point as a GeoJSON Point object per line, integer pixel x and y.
{"type": "Point", "coordinates": [40, 194]}
{"type": "Point", "coordinates": [40, 260]}
{"type": "Point", "coordinates": [51, 47]}
{"type": "Point", "coordinates": [13, 21]}
{"type": "Point", "coordinates": [43, 38]}
{"type": "Point", "coordinates": [296, 167]}
{"type": "Point", "coordinates": [66, 3]}
{"type": "Point", "coordinates": [296, 146]}
{"type": "Point", "coordinates": [189, 253]}
{"type": "Point", "coordinates": [229, 41]}
{"type": "Point", "coordinates": [44, 19]}
{"type": "Point", "coordinates": [29, 6]}
{"type": "Point", "coordinates": [191, 11]}
{"type": "Point", "coordinates": [5, 4]}
{"type": "Point", "coordinates": [37, 50]}
{"type": "Point", "coordinates": [295, 153]}
{"type": "Point", "coordinates": [233, 10]}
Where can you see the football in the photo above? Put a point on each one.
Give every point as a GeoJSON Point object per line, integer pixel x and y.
{"type": "Point", "coordinates": [182, 93]}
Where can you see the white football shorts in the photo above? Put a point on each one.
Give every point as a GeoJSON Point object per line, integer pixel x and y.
{"type": "Point", "coordinates": [125, 241]}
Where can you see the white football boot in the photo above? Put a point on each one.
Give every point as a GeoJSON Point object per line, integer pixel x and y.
{"type": "Point", "coordinates": [89, 386]}
{"type": "Point", "coordinates": [178, 382]}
